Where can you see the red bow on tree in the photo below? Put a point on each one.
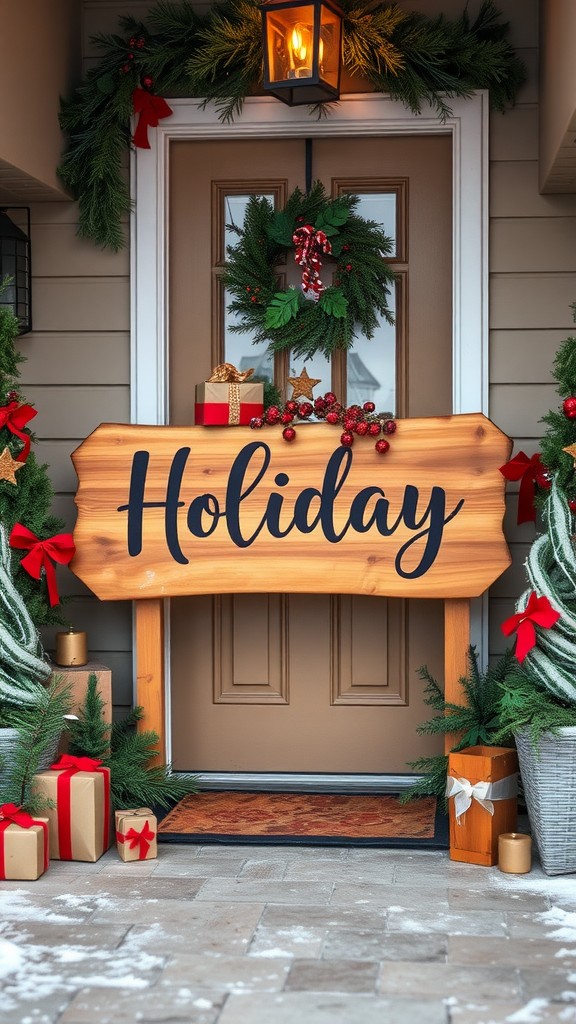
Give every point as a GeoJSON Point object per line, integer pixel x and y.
{"type": "Point", "coordinates": [135, 838]}
{"type": "Point", "coordinates": [538, 611]}
{"type": "Point", "coordinates": [310, 244]}
{"type": "Point", "coordinates": [42, 554]}
{"type": "Point", "coordinates": [529, 471]}
{"type": "Point", "coordinates": [15, 417]}
{"type": "Point", "coordinates": [151, 109]}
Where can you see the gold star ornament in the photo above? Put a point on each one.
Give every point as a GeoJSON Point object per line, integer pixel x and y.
{"type": "Point", "coordinates": [9, 467]}
{"type": "Point", "coordinates": [571, 449]}
{"type": "Point", "coordinates": [303, 385]}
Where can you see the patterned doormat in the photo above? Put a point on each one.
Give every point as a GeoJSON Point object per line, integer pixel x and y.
{"type": "Point", "coordinates": [312, 818]}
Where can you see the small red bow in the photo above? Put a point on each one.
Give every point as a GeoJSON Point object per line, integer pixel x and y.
{"type": "Point", "coordinates": [309, 246]}
{"type": "Point", "coordinates": [135, 838]}
{"type": "Point", "coordinates": [529, 471]}
{"type": "Point", "coordinates": [14, 814]}
{"type": "Point", "coordinates": [151, 109]}
{"type": "Point", "coordinates": [41, 555]}
{"type": "Point", "coordinates": [15, 417]}
{"type": "Point", "coordinates": [538, 611]}
{"type": "Point", "coordinates": [81, 764]}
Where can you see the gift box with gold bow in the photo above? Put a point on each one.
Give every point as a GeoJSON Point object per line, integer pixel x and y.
{"type": "Point", "coordinates": [136, 834]}
{"type": "Point", "coordinates": [228, 398]}
{"type": "Point", "coordinates": [24, 845]}
{"type": "Point", "coordinates": [79, 787]}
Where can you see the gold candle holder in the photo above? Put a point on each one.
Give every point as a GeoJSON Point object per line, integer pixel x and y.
{"type": "Point", "coordinates": [514, 853]}
{"type": "Point", "coordinates": [71, 648]}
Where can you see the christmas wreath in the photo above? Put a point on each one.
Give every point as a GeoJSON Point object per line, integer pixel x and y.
{"type": "Point", "coordinates": [311, 229]}
{"type": "Point", "coordinates": [218, 56]}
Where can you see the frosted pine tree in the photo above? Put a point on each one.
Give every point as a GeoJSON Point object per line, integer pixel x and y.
{"type": "Point", "coordinates": [551, 571]}
{"type": "Point", "coordinates": [23, 669]}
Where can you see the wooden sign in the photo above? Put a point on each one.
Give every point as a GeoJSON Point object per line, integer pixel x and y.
{"type": "Point", "coordinates": [168, 511]}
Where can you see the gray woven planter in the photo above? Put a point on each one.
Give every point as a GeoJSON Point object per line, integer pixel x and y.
{"type": "Point", "coordinates": [549, 779]}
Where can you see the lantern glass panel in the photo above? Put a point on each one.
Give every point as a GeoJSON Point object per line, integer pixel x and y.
{"type": "Point", "coordinates": [290, 39]}
{"type": "Point", "coordinates": [329, 51]}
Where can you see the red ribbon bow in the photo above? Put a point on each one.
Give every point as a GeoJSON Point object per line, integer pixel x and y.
{"type": "Point", "coordinates": [538, 611]}
{"type": "Point", "coordinates": [59, 548]}
{"type": "Point", "coordinates": [529, 471]}
{"type": "Point", "coordinates": [310, 244]}
{"type": "Point", "coordinates": [68, 766]}
{"type": "Point", "coordinates": [151, 109]}
{"type": "Point", "coordinates": [15, 417]}
{"type": "Point", "coordinates": [135, 838]}
{"type": "Point", "coordinates": [10, 814]}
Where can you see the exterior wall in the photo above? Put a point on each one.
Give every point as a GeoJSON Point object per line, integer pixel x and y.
{"type": "Point", "coordinates": [557, 95]}
{"type": "Point", "coordinates": [77, 369]}
{"type": "Point", "coordinates": [39, 63]}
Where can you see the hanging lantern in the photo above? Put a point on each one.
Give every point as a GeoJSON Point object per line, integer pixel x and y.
{"type": "Point", "coordinates": [15, 268]}
{"type": "Point", "coordinates": [302, 44]}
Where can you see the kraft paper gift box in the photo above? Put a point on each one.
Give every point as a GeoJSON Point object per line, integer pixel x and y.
{"type": "Point", "coordinates": [136, 834]}
{"type": "Point", "coordinates": [80, 821]}
{"type": "Point", "coordinates": [24, 850]}
{"type": "Point", "coordinates": [486, 780]}
{"type": "Point", "coordinates": [224, 403]}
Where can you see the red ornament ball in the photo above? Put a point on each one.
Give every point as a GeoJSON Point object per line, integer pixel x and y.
{"type": "Point", "coordinates": [306, 409]}
{"type": "Point", "coordinates": [382, 446]}
{"type": "Point", "coordinates": [373, 429]}
{"type": "Point", "coordinates": [330, 398]}
{"type": "Point", "coordinates": [349, 423]}
{"type": "Point", "coordinates": [390, 427]}
{"type": "Point", "coordinates": [272, 414]}
{"type": "Point", "coordinates": [332, 417]}
{"type": "Point", "coordinates": [286, 417]}
{"type": "Point", "coordinates": [147, 82]}
{"type": "Point", "coordinates": [368, 406]}
{"type": "Point", "coordinates": [292, 406]}
{"type": "Point", "coordinates": [543, 478]}
{"type": "Point", "coordinates": [319, 405]}
{"type": "Point", "coordinates": [569, 407]}
{"type": "Point", "coordinates": [361, 428]}
{"type": "Point", "coordinates": [572, 504]}
{"type": "Point", "coordinates": [347, 439]}
{"type": "Point", "coordinates": [288, 433]}
{"type": "Point", "coordinates": [256, 422]}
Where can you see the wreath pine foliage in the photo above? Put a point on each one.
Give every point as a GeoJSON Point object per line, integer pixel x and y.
{"type": "Point", "coordinates": [285, 319]}
{"type": "Point", "coordinates": [218, 57]}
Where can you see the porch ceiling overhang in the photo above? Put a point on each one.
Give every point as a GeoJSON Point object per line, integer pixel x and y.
{"type": "Point", "coordinates": [557, 113]}
{"type": "Point", "coordinates": [20, 189]}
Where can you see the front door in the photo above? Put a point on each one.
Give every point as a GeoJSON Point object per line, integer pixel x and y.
{"type": "Point", "coordinates": [319, 683]}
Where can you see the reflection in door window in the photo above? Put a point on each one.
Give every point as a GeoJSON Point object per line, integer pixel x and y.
{"type": "Point", "coordinates": [239, 348]}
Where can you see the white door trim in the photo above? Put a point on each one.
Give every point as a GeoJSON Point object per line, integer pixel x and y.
{"type": "Point", "coordinates": [265, 117]}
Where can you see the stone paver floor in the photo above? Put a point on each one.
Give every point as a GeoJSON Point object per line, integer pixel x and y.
{"type": "Point", "coordinates": [287, 935]}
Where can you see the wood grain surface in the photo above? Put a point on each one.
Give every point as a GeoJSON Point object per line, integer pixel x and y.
{"type": "Point", "coordinates": [235, 510]}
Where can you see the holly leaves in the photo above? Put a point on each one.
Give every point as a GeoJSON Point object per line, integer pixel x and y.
{"type": "Point", "coordinates": [334, 303]}
{"type": "Point", "coordinates": [282, 308]}
{"type": "Point", "coordinates": [333, 217]}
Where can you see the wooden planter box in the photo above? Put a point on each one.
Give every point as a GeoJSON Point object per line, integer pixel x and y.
{"type": "Point", "coordinates": [475, 839]}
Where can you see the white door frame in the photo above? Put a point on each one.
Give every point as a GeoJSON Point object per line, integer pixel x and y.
{"type": "Point", "coordinates": [265, 117]}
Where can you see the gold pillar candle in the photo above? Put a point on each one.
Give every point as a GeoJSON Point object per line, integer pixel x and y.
{"type": "Point", "coordinates": [71, 648]}
{"type": "Point", "coordinates": [514, 853]}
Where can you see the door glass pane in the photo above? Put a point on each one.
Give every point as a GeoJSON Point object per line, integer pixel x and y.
{"type": "Point", "coordinates": [239, 348]}
{"type": "Point", "coordinates": [371, 366]}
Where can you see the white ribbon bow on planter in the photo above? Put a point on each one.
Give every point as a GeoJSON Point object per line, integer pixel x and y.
{"type": "Point", "coordinates": [483, 792]}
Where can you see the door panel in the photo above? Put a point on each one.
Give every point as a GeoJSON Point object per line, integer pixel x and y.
{"type": "Point", "coordinates": [296, 682]}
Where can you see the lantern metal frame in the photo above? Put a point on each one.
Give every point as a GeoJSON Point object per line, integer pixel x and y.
{"type": "Point", "coordinates": [15, 266]}
{"type": "Point", "coordinates": [312, 88]}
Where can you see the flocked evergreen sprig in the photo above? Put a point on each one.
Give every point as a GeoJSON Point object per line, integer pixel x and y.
{"type": "Point", "coordinates": [475, 721]}
{"type": "Point", "coordinates": [287, 319]}
{"type": "Point", "coordinates": [561, 425]}
{"type": "Point", "coordinates": [134, 782]}
{"type": "Point", "coordinates": [527, 705]}
{"type": "Point", "coordinates": [218, 57]}
{"type": "Point", "coordinates": [39, 727]}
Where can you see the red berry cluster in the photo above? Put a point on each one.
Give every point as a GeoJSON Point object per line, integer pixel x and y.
{"type": "Point", "coordinates": [362, 420]}
{"type": "Point", "coordinates": [135, 43]}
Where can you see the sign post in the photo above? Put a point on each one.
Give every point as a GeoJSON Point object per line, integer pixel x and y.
{"type": "Point", "coordinates": [171, 511]}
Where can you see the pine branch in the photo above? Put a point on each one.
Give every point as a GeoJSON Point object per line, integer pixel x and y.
{"type": "Point", "coordinates": [39, 727]}
{"type": "Point", "coordinates": [90, 735]}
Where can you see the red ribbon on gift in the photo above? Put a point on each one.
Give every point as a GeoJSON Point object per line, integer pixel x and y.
{"type": "Point", "coordinates": [42, 554]}
{"type": "Point", "coordinates": [135, 838]}
{"type": "Point", "coordinates": [537, 612]}
{"type": "Point", "coordinates": [310, 244]}
{"type": "Point", "coordinates": [151, 109]}
{"type": "Point", "coordinates": [10, 814]}
{"type": "Point", "coordinates": [68, 766]}
{"type": "Point", "coordinates": [529, 471]}
{"type": "Point", "coordinates": [15, 417]}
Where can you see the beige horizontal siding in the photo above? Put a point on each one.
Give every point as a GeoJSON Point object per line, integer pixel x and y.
{"type": "Point", "coordinates": [517, 409]}
{"type": "Point", "coordinates": [539, 301]}
{"type": "Point", "coordinates": [514, 192]}
{"type": "Point", "coordinates": [81, 304]}
{"type": "Point", "coordinates": [533, 244]}
{"type": "Point", "coordinates": [523, 356]}
{"type": "Point", "coordinates": [77, 358]}
{"type": "Point", "coordinates": [74, 412]}
{"type": "Point", "coordinates": [59, 253]}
